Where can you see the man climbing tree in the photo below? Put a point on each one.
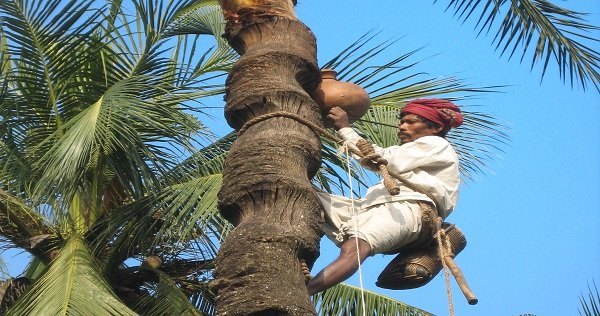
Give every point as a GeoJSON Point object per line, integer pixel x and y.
{"type": "Point", "coordinates": [382, 222]}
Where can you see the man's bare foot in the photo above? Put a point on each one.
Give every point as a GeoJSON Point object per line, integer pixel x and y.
{"type": "Point", "coordinates": [305, 270]}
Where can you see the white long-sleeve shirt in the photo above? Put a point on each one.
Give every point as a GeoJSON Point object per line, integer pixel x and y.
{"type": "Point", "coordinates": [429, 162]}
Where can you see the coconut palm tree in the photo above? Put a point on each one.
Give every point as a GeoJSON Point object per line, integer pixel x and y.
{"type": "Point", "coordinates": [110, 180]}
{"type": "Point", "coordinates": [99, 104]}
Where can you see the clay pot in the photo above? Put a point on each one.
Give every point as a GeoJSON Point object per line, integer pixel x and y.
{"type": "Point", "coordinates": [349, 96]}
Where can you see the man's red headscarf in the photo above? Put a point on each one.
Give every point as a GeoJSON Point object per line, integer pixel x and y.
{"type": "Point", "coordinates": [440, 111]}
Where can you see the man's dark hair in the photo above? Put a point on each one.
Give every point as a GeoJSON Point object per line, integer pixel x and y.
{"type": "Point", "coordinates": [431, 124]}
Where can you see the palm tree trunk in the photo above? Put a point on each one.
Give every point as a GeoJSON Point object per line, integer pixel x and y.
{"type": "Point", "coordinates": [266, 189]}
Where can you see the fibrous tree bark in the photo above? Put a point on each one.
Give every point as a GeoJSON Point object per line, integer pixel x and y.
{"type": "Point", "coordinates": [266, 192]}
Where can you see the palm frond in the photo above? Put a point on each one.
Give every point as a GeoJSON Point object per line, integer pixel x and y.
{"type": "Point", "coordinates": [590, 305]}
{"type": "Point", "coordinates": [135, 44]}
{"type": "Point", "coordinates": [204, 302]}
{"type": "Point", "coordinates": [189, 212]}
{"type": "Point", "coordinates": [4, 274]}
{"type": "Point", "coordinates": [183, 222]}
{"type": "Point", "coordinates": [40, 41]}
{"type": "Point", "coordinates": [44, 58]}
{"type": "Point", "coordinates": [72, 285]}
{"type": "Point", "coordinates": [205, 17]}
{"type": "Point", "coordinates": [344, 299]}
{"type": "Point", "coordinates": [552, 32]}
{"type": "Point", "coordinates": [42, 103]}
{"type": "Point", "coordinates": [119, 122]}
{"type": "Point", "coordinates": [185, 209]}
{"type": "Point", "coordinates": [35, 268]}
{"type": "Point", "coordinates": [206, 161]}
{"type": "Point", "coordinates": [156, 16]}
{"type": "Point", "coordinates": [14, 169]}
{"type": "Point", "coordinates": [4, 60]}
{"type": "Point", "coordinates": [158, 22]}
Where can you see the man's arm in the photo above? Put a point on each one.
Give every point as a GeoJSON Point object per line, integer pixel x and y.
{"type": "Point", "coordinates": [344, 129]}
{"type": "Point", "coordinates": [429, 151]}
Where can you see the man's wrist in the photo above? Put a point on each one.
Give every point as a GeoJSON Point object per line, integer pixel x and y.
{"type": "Point", "coordinates": [345, 131]}
{"type": "Point", "coordinates": [344, 126]}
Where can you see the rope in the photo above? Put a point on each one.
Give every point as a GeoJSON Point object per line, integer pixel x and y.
{"type": "Point", "coordinates": [360, 275]}
{"type": "Point", "coordinates": [369, 158]}
{"type": "Point", "coordinates": [444, 250]}
{"type": "Point", "coordinates": [376, 163]}
{"type": "Point", "coordinates": [365, 151]}
{"type": "Point", "coordinates": [314, 127]}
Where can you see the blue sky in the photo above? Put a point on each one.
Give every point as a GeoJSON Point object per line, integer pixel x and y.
{"type": "Point", "coordinates": [532, 221]}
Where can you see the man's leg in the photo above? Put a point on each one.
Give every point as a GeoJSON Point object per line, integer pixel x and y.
{"type": "Point", "coordinates": [341, 268]}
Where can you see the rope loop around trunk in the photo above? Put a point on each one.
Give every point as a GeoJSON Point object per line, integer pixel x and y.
{"type": "Point", "coordinates": [368, 157]}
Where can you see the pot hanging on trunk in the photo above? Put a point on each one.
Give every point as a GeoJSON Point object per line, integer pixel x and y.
{"type": "Point", "coordinates": [333, 93]}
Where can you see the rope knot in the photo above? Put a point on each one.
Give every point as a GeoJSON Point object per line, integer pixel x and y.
{"type": "Point", "coordinates": [375, 162]}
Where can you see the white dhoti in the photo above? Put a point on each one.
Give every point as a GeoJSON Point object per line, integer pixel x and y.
{"type": "Point", "coordinates": [385, 227]}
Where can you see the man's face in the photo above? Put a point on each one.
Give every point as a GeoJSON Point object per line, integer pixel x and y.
{"type": "Point", "coordinates": [413, 127]}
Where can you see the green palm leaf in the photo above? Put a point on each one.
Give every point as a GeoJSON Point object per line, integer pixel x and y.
{"type": "Point", "coordinates": [205, 17]}
{"type": "Point", "coordinates": [552, 32]}
{"type": "Point", "coordinates": [590, 305]}
{"type": "Point", "coordinates": [190, 204]}
{"type": "Point", "coordinates": [119, 122]}
{"type": "Point", "coordinates": [72, 285]}
{"type": "Point", "coordinates": [181, 224]}
{"type": "Point", "coordinates": [189, 212]}
{"type": "Point", "coordinates": [344, 299]}
{"type": "Point", "coordinates": [40, 43]}
{"type": "Point", "coordinates": [4, 60]}
{"type": "Point", "coordinates": [158, 22]}
{"type": "Point", "coordinates": [182, 220]}
{"type": "Point", "coordinates": [4, 274]}
{"type": "Point", "coordinates": [206, 161]}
